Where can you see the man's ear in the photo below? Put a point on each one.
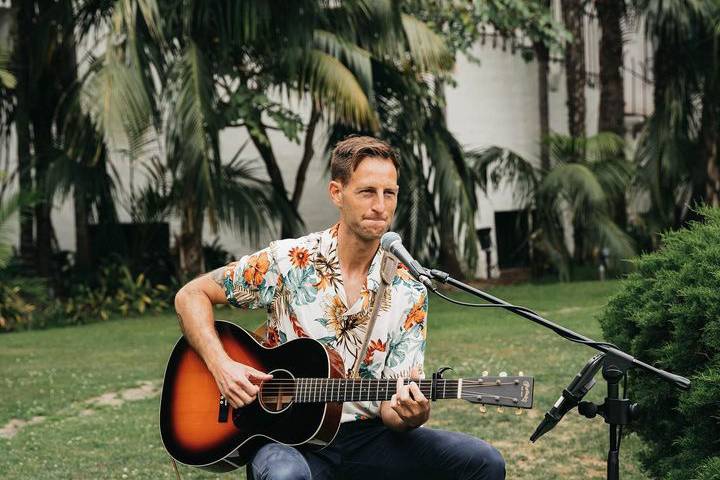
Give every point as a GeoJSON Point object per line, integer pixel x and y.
{"type": "Point", "coordinates": [335, 189]}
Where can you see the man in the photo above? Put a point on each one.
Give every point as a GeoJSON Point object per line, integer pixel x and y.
{"type": "Point", "coordinates": [323, 285]}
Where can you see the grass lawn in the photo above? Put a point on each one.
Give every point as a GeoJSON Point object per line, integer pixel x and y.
{"type": "Point", "coordinates": [69, 376]}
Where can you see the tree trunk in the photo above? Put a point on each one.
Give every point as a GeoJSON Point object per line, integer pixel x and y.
{"type": "Point", "coordinates": [448, 250]}
{"type": "Point", "coordinates": [82, 236]}
{"type": "Point", "coordinates": [43, 222]}
{"type": "Point", "coordinates": [612, 94]}
{"type": "Point", "coordinates": [573, 15]}
{"type": "Point", "coordinates": [543, 57]}
{"type": "Point", "coordinates": [262, 144]}
{"type": "Point", "coordinates": [705, 174]}
{"type": "Point", "coordinates": [22, 128]}
{"type": "Point", "coordinates": [712, 195]}
{"type": "Point", "coordinates": [189, 244]}
{"type": "Point", "coordinates": [612, 100]}
{"type": "Point", "coordinates": [308, 153]}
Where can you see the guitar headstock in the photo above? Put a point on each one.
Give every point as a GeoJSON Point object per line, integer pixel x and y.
{"type": "Point", "coordinates": [500, 391]}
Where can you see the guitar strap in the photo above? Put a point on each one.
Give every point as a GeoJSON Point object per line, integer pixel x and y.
{"type": "Point", "coordinates": [388, 268]}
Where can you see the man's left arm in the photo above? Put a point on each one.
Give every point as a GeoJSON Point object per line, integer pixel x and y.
{"type": "Point", "coordinates": [409, 408]}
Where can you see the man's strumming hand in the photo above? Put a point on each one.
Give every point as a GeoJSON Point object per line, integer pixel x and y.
{"type": "Point", "coordinates": [239, 383]}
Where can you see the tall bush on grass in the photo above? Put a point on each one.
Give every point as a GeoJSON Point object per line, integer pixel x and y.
{"type": "Point", "coordinates": [668, 314]}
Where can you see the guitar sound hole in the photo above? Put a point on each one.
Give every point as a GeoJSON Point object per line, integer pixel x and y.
{"type": "Point", "coordinates": [278, 394]}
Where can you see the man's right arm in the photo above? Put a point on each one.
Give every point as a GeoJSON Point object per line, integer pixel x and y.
{"type": "Point", "coordinates": [194, 306]}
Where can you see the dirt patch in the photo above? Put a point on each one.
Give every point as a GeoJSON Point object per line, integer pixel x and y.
{"type": "Point", "coordinates": [15, 425]}
{"type": "Point", "coordinates": [145, 390]}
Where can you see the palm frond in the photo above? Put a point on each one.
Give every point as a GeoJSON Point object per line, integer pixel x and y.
{"type": "Point", "coordinates": [606, 233]}
{"type": "Point", "coordinates": [8, 208]}
{"type": "Point", "coordinates": [7, 79]}
{"type": "Point", "coordinates": [575, 184]}
{"type": "Point", "coordinates": [356, 58]}
{"type": "Point", "coordinates": [331, 82]}
{"type": "Point", "coordinates": [492, 166]}
{"type": "Point", "coordinates": [604, 146]}
{"type": "Point", "coordinates": [190, 123]}
{"type": "Point", "coordinates": [428, 50]}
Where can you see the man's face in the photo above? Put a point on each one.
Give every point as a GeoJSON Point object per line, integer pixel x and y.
{"type": "Point", "coordinates": [367, 202]}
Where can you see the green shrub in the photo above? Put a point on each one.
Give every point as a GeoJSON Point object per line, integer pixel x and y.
{"type": "Point", "coordinates": [15, 311]}
{"type": "Point", "coordinates": [26, 304]}
{"type": "Point", "coordinates": [668, 314]}
{"type": "Point", "coordinates": [119, 292]}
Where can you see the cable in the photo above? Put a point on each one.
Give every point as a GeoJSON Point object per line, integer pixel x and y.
{"type": "Point", "coordinates": [517, 308]}
{"type": "Point", "coordinates": [174, 464]}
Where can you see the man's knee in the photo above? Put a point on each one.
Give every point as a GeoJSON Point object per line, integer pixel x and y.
{"type": "Point", "coordinates": [289, 471]}
{"type": "Point", "coordinates": [495, 463]}
{"type": "Point", "coordinates": [279, 462]}
{"type": "Point", "coordinates": [487, 463]}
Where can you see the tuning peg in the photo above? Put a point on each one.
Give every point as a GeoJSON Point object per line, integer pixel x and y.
{"type": "Point", "coordinates": [483, 410]}
{"type": "Point", "coordinates": [485, 373]}
{"type": "Point", "coordinates": [500, 409]}
{"type": "Point", "coordinates": [503, 374]}
{"type": "Point", "coordinates": [521, 374]}
{"type": "Point", "coordinates": [518, 411]}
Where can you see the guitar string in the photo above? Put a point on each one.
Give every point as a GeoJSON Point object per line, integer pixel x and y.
{"type": "Point", "coordinates": [306, 385]}
{"type": "Point", "coordinates": [490, 399]}
{"type": "Point", "coordinates": [327, 392]}
{"type": "Point", "coordinates": [391, 380]}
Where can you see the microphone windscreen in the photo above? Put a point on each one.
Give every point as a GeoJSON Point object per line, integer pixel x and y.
{"type": "Point", "coordinates": [388, 239]}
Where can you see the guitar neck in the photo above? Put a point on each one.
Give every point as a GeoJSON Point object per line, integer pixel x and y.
{"type": "Point", "coordinates": [359, 390]}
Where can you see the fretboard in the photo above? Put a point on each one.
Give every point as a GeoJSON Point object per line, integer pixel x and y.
{"type": "Point", "coordinates": [357, 390]}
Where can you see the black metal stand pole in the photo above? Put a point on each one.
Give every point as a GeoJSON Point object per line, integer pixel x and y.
{"type": "Point", "coordinates": [677, 380]}
{"type": "Point", "coordinates": [612, 376]}
{"type": "Point", "coordinates": [616, 411]}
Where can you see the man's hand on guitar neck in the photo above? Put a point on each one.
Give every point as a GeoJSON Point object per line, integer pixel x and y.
{"type": "Point", "coordinates": [238, 382]}
{"type": "Point", "coordinates": [408, 407]}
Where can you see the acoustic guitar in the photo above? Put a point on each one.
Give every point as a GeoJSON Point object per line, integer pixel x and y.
{"type": "Point", "coordinates": [300, 406]}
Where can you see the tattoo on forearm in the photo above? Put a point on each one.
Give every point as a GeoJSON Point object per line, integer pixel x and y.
{"type": "Point", "coordinates": [180, 320]}
{"type": "Point", "coordinates": [218, 276]}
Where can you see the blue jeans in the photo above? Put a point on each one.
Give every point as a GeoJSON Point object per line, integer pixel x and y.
{"type": "Point", "coordinates": [369, 450]}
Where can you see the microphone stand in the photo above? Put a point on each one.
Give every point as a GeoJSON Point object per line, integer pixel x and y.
{"type": "Point", "coordinates": [615, 410]}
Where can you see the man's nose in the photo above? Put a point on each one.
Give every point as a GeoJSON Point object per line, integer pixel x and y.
{"type": "Point", "coordinates": [379, 203]}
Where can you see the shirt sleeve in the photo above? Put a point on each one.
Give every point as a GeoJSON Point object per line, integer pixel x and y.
{"type": "Point", "coordinates": [253, 281]}
{"type": "Point", "coordinates": [406, 354]}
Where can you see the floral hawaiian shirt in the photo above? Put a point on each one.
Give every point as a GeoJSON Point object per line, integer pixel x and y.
{"type": "Point", "coordinates": [300, 284]}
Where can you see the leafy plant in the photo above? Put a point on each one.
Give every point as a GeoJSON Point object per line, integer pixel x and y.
{"type": "Point", "coordinates": [119, 292]}
{"type": "Point", "coordinates": [15, 311]}
{"type": "Point", "coordinates": [668, 314]}
{"type": "Point", "coordinates": [576, 197]}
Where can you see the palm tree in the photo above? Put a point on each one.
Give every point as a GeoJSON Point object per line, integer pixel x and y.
{"type": "Point", "coordinates": [574, 198]}
{"type": "Point", "coordinates": [214, 63]}
{"type": "Point", "coordinates": [677, 152]}
{"type": "Point", "coordinates": [573, 15]}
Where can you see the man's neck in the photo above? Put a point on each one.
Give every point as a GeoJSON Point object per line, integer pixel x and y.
{"type": "Point", "coordinates": [354, 253]}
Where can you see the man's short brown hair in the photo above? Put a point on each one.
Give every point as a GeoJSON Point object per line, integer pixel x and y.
{"type": "Point", "coordinates": [349, 152]}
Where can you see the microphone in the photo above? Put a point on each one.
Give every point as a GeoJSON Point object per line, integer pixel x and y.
{"type": "Point", "coordinates": [391, 242]}
{"type": "Point", "coordinates": [571, 396]}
